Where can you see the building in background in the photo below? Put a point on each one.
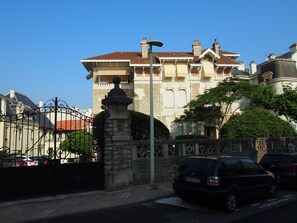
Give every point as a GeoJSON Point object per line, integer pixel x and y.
{"type": "Point", "coordinates": [178, 77]}
{"type": "Point", "coordinates": [277, 70]}
{"type": "Point", "coordinates": [23, 130]}
{"type": "Point", "coordinates": [28, 129]}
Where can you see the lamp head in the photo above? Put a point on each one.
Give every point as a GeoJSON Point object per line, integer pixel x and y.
{"type": "Point", "coordinates": [155, 43]}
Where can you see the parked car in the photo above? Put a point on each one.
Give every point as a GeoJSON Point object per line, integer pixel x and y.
{"type": "Point", "coordinates": [17, 161]}
{"type": "Point", "coordinates": [283, 165]}
{"type": "Point", "coordinates": [12, 162]}
{"type": "Point", "coordinates": [40, 160]}
{"type": "Point", "coordinates": [223, 180]}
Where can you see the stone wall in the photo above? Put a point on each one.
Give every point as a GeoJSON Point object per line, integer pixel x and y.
{"type": "Point", "coordinates": [169, 154]}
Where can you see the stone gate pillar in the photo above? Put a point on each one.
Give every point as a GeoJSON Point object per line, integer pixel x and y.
{"type": "Point", "coordinates": [117, 133]}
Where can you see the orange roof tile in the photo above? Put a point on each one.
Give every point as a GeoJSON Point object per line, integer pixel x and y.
{"type": "Point", "coordinates": [136, 57]}
{"type": "Point", "coordinates": [72, 125]}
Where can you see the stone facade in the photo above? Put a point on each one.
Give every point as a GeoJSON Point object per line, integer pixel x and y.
{"type": "Point", "coordinates": [117, 135]}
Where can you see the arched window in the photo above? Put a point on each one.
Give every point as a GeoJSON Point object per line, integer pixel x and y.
{"type": "Point", "coordinates": [169, 99]}
{"type": "Point", "coordinates": [181, 98]}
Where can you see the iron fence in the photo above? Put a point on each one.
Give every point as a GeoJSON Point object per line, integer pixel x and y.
{"type": "Point", "coordinates": [47, 150]}
{"type": "Point", "coordinates": [48, 134]}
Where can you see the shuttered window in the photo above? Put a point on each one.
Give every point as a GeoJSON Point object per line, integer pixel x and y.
{"type": "Point", "coordinates": [181, 98]}
{"type": "Point", "coordinates": [207, 69]}
{"type": "Point", "coordinates": [169, 99]}
{"type": "Point", "coordinates": [169, 70]}
{"type": "Point", "coordinates": [182, 70]}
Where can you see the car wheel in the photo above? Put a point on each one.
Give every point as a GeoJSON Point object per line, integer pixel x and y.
{"type": "Point", "coordinates": [230, 202]}
{"type": "Point", "coordinates": [273, 191]}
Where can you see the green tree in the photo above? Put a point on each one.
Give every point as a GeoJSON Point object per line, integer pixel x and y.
{"type": "Point", "coordinates": [256, 123]}
{"type": "Point", "coordinates": [140, 127]}
{"type": "Point", "coordinates": [217, 104]}
{"type": "Point", "coordinates": [79, 142]}
{"type": "Point", "coordinates": [263, 96]}
{"type": "Point", "coordinates": [286, 103]}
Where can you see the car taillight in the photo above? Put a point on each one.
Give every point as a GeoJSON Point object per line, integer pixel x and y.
{"type": "Point", "coordinates": [292, 168]}
{"type": "Point", "coordinates": [213, 181]}
{"type": "Point", "coordinates": [18, 163]}
{"type": "Point", "coordinates": [45, 162]}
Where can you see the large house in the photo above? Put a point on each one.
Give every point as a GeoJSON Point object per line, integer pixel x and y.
{"type": "Point", "coordinates": [178, 77]}
{"type": "Point", "coordinates": [22, 126]}
{"type": "Point", "coordinates": [277, 70]}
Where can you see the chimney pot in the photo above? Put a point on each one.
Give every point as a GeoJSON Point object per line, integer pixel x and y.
{"type": "Point", "coordinates": [144, 48]}
{"type": "Point", "coordinates": [196, 48]}
{"type": "Point", "coordinates": [216, 46]}
{"type": "Point", "coordinates": [12, 94]}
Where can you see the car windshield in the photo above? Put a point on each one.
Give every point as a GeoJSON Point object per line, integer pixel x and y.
{"type": "Point", "coordinates": [205, 167]}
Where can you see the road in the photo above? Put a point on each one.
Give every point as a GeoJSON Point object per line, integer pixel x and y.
{"type": "Point", "coordinates": [173, 210]}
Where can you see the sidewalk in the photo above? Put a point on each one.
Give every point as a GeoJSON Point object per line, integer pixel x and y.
{"type": "Point", "coordinates": [48, 207]}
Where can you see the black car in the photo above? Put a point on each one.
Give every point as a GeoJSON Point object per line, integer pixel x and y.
{"type": "Point", "coordinates": [283, 165]}
{"type": "Point", "coordinates": [41, 160]}
{"type": "Point", "coordinates": [223, 180]}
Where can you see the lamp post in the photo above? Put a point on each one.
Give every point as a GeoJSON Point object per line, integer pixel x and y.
{"type": "Point", "coordinates": [152, 43]}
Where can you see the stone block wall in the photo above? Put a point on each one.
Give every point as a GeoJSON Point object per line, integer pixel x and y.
{"type": "Point", "coordinates": [169, 154]}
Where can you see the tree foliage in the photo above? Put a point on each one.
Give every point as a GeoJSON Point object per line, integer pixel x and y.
{"type": "Point", "coordinates": [215, 105]}
{"type": "Point", "coordinates": [140, 127]}
{"type": "Point", "coordinates": [286, 103]}
{"type": "Point", "coordinates": [79, 142]}
{"type": "Point", "coordinates": [255, 123]}
{"type": "Point", "coordinates": [263, 96]}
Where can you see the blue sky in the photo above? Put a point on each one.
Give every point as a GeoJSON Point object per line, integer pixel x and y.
{"type": "Point", "coordinates": [43, 41]}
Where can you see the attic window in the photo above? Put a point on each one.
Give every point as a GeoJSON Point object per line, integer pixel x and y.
{"type": "Point", "coordinates": [182, 70]}
{"type": "Point", "coordinates": [267, 76]}
{"type": "Point", "coordinates": [170, 69]}
{"type": "Point", "coordinates": [208, 69]}
{"type": "Point", "coordinates": [207, 58]}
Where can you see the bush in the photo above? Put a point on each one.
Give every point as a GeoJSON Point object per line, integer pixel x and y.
{"type": "Point", "coordinates": [256, 123]}
{"type": "Point", "coordinates": [140, 127]}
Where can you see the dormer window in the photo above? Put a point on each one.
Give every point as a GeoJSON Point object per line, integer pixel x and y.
{"type": "Point", "coordinates": [267, 76]}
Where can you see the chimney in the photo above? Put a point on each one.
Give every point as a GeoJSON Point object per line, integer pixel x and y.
{"type": "Point", "coordinates": [196, 48]}
{"type": "Point", "coordinates": [3, 106]}
{"type": "Point", "coordinates": [12, 94]}
{"type": "Point", "coordinates": [293, 48]}
{"type": "Point", "coordinates": [253, 67]}
{"type": "Point", "coordinates": [216, 46]}
{"type": "Point", "coordinates": [144, 48]}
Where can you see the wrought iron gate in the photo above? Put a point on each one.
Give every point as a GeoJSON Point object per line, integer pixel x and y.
{"type": "Point", "coordinates": [47, 150]}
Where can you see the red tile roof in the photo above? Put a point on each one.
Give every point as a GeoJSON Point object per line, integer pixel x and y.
{"type": "Point", "coordinates": [136, 57]}
{"type": "Point", "coordinates": [72, 125]}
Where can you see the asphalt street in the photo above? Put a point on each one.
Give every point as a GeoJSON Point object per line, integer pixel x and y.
{"type": "Point", "coordinates": [172, 209]}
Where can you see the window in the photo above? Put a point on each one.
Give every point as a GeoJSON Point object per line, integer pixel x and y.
{"type": "Point", "coordinates": [169, 99]}
{"type": "Point", "coordinates": [182, 70]}
{"type": "Point", "coordinates": [181, 98]}
{"type": "Point", "coordinates": [169, 69]}
{"type": "Point", "coordinates": [232, 167]}
{"type": "Point", "coordinates": [267, 76]}
{"type": "Point", "coordinates": [205, 167]}
{"type": "Point", "coordinates": [207, 69]}
{"type": "Point", "coordinates": [251, 167]}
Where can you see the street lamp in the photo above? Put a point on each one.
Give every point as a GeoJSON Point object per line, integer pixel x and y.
{"type": "Point", "coordinates": [152, 43]}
